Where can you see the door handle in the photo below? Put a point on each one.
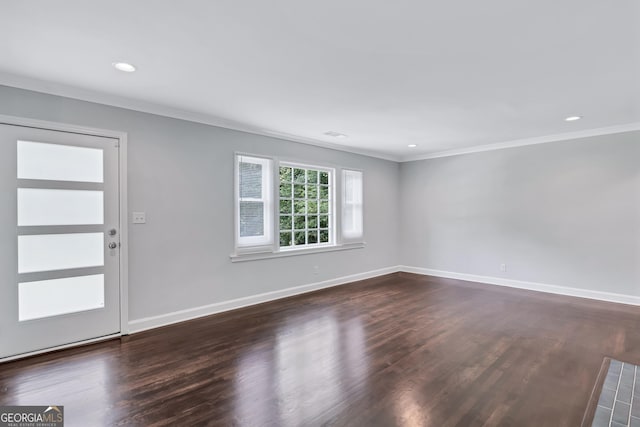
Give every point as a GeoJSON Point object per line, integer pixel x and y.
{"type": "Point", "coordinates": [113, 245]}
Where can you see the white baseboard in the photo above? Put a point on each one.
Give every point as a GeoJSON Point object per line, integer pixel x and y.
{"type": "Point", "coordinates": [531, 286]}
{"type": "Point", "coordinates": [146, 323]}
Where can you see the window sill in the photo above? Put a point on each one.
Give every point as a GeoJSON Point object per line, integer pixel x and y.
{"type": "Point", "coordinates": [287, 253]}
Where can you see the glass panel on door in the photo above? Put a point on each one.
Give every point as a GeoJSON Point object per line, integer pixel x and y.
{"type": "Point", "coordinates": [47, 252]}
{"type": "Point", "coordinates": [38, 206]}
{"type": "Point", "coordinates": [46, 298]}
{"type": "Point", "coordinates": [59, 162]}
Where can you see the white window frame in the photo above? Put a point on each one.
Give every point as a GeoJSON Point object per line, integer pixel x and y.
{"type": "Point", "coordinates": [346, 237]}
{"type": "Point", "coordinates": [268, 246]}
{"type": "Point", "coordinates": [249, 244]}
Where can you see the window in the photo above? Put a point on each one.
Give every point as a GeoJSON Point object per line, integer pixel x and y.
{"type": "Point", "coordinates": [254, 205]}
{"type": "Point", "coordinates": [284, 207]}
{"type": "Point", "coordinates": [352, 206]}
{"type": "Point", "coordinates": [306, 206]}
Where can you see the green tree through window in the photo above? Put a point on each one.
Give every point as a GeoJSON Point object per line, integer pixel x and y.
{"type": "Point", "coordinates": [305, 206]}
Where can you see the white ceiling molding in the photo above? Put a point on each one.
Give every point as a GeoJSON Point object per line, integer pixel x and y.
{"type": "Point", "coordinates": [66, 91]}
{"type": "Point", "coordinates": [161, 110]}
{"type": "Point", "coordinates": [609, 130]}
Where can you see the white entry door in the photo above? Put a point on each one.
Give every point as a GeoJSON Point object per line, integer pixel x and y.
{"type": "Point", "coordinates": [59, 239]}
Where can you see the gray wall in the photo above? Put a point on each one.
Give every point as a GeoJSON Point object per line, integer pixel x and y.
{"type": "Point", "coordinates": [563, 213]}
{"type": "Point", "coordinates": [181, 174]}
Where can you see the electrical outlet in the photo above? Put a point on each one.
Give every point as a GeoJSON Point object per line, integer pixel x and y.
{"type": "Point", "coordinates": [139, 217]}
{"type": "Point", "coordinates": [503, 267]}
{"type": "Point", "coordinates": [316, 269]}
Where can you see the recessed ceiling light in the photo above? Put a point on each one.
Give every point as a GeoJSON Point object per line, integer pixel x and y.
{"type": "Point", "coordinates": [124, 66]}
{"type": "Point", "coordinates": [412, 145]}
{"type": "Point", "coordinates": [572, 118]}
{"type": "Point", "coordinates": [335, 134]}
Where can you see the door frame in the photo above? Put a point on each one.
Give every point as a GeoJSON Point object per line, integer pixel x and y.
{"type": "Point", "coordinates": [122, 215]}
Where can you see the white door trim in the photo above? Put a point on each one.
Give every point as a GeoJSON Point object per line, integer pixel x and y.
{"type": "Point", "coordinates": [123, 216]}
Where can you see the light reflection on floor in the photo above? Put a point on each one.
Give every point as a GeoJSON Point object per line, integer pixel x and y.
{"type": "Point", "coordinates": [409, 412]}
{"type": "Point", "coordinates": [43, 386]}
{"type": "Point", "coordinates": [300, 377]}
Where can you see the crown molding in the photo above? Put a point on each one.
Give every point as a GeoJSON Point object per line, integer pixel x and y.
{"type": "Point", "coordinates": [67, 91]}
{"type": "Point", "coordinates": [609, 130]}
{"type": "Point", "coordinates": [73, 92]}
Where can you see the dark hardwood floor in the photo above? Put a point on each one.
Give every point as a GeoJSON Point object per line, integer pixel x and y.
{"type": "Point", "coordinates": [402, 350]}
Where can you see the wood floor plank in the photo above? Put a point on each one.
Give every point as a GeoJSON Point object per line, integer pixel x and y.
{"type": "Point", "coordinates": [401, 350]}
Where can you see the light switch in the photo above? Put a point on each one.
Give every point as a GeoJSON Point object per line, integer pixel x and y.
{"type": "Point", "coordinates": [139, 217]}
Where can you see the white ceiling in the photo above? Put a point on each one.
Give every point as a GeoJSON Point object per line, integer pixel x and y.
{"type": "Point", "coordinates": [445, 75]}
